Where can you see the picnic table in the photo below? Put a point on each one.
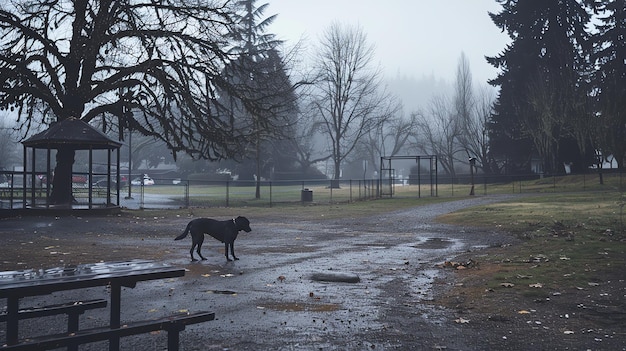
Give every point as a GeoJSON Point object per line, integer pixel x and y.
{"type": "Point", "coordinates": [15, 285]}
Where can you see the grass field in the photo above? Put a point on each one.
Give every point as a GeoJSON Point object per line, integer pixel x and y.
{"type": "Point", "coordinates": [569, 241]}
{"type": "Point", "coordinates": [233, 194]}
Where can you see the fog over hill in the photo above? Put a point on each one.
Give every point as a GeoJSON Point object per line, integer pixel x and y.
{"type": "Point", "coordinates": [417, 92]}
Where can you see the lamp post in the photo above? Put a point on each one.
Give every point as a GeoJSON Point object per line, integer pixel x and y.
{"type": "Point", "coordinates": [472, 162]}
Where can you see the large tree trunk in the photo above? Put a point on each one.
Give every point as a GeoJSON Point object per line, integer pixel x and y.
{"type": "Point", "coordinates": [334, 183]}
{"type": "Point", "coordinates": [62, 181]}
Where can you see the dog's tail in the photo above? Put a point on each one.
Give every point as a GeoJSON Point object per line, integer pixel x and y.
{"type": "Point", "coordinates": [184, 234]}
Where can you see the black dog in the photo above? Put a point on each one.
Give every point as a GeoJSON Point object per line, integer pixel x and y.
{"type": "Point", "coordinates": [224, 231]}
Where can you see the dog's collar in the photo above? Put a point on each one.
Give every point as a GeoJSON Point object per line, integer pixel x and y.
{"type": "Point", "coordinates": [234, 221]}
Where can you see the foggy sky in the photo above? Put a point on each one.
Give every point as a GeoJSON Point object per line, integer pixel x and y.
{"type": "Point", "coordinates": [412, 38]}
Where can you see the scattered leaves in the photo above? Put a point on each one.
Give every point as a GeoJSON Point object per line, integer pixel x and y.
{"type": "Point", "coordinates": [461, 320]}
{"type": "Point", "coordinates": [458, 265]}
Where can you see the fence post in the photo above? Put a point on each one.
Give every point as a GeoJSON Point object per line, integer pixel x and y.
{"type": "Point", "coordinates": [350, 190]}
{"type": "Point", "coordinates": [142, 202]}
{"type": "Point", "coordinates": [187, 194]}
{"type": "Point", "coordinates": [485, 185]}
{"type": "Point", "coordinates": [227, 193]}
{"type": "Point", "coordinates": [331, 191]}
{"type": "Point", "coordinates": [452, 183]}
{"type": "Point", "coordinates": [270, 194]}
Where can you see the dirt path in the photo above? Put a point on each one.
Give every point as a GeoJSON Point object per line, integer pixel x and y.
{"type": "Point", "coordinates": [268, 300]}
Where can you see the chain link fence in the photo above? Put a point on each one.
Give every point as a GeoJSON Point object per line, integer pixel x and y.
{"type": "Point", "coordinates": [175, 193]}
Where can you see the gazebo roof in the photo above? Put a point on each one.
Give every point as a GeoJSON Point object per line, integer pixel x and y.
{"type": "Point", "coordinates": [71, 132]}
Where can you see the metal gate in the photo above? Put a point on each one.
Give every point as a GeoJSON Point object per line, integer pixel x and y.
{"type": "Point", "coordinates": [426, 177]}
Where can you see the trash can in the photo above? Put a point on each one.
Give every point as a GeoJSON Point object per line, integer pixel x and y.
{"type": "Point", "coordinates": [306, 195]}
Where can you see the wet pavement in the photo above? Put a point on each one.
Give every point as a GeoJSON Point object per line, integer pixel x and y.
{"type": "Point", "coordinates": [273, 297]}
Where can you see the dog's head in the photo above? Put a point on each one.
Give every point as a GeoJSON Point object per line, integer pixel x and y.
{"type": "Point", "coordinates": [242, 223]}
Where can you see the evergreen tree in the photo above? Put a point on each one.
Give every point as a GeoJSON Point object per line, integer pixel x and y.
{"type": "Point", "coordinates": [610, 79]}
{"type": "Point", "coordinates": [262, 73]}
{"type": "Point", "coordinates": [540, 82]}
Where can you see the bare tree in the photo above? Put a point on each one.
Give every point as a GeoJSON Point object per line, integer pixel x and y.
{"type": "Point", "coordinates": [439, 131]}
{"type": "Point", "coordinates": [473, 108]}
{"type": "Point", "coordinates": [151, 66]}
{"type": "Point", "coordinates": [348, 98]}
{"type": "Point", "coordinates": [476, 130]}
{"type": "Point", "coordinates": [463, 90]}
{"type": "Point", "coordinates": [309, 131]}
{"type": "Point", "coordinates": [389, 138]}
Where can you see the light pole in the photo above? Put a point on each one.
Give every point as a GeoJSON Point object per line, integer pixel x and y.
{"type": "Point", "coordinates": [130, 144]}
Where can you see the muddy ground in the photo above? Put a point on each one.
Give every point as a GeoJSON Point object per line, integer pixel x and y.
{"type": "Point", "coordinates": [268, 300]}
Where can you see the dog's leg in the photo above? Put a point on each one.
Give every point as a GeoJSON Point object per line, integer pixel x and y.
{"type": "Point", "coordinates": [193, 246]}
{"type": "Point", "coordinates": [232, 250]}
{"type": "Point", "coordinates": [197, 240]}
{"type": "Point", "coordinates": [226, 252]}
{"type": "Point", "coordinates": [200, 247]}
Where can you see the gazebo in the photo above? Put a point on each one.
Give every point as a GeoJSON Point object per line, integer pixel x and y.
{"type": "Point", "coordinates": [74, 134]}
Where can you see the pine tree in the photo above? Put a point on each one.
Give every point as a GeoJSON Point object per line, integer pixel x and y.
{"type": "Point", "coordinates": [540, 81]}
{"type": "Point", "coordinates": [260, 69]}
{"type": "Point", "coordinates": [610, 79]}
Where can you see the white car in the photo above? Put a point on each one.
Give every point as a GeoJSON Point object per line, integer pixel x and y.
{"type": "Point", "coordinates": [142, 181]}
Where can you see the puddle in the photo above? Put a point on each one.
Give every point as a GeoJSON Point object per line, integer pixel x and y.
{"type": "Point", "coordinates": [221, 292]}
{"type": "Point", "coordinates": [435, 244]}
{"type": "Point", "coordinates": [199, 268]}
{"type": "Point", "coordinates": [288, 249]}
{"type": "Point", "coordinates": [300, 307]}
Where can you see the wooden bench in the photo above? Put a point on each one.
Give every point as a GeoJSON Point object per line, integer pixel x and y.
{"type": "Point", "coordinates": [16, 285]}
{"type": "Point", "coordinates": [73, 310]}
{"type": "Point", "coordinates": [173, 325]}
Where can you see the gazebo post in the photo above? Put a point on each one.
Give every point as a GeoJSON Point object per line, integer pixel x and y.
{"type": "Point", "coordinates": [25, 159]}
{"type": "Point", "coordinates": [119, 178]}
{"type": "Point", "coordinates": [109, 178]}
{"type": "Point", "coordinates": [48, 178]}
{"type": "Point", "coordinates": [90, 178]}
{"type": "Point", "coordinates": [33, 184]}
